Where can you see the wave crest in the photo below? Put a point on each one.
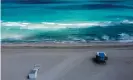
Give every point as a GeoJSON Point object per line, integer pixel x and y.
{"type": "Point", "coordinates": [52, 25]}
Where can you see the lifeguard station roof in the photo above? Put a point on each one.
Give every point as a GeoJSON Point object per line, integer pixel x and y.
{"type": "Point", "coordinates": [101, 54]}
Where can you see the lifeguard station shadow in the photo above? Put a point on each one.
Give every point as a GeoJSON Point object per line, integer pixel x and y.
{"type": "Point", "coordinates": [95, 61]}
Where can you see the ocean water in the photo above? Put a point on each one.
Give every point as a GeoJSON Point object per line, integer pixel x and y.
{"type": "Point", "coordinates": [66, 22]}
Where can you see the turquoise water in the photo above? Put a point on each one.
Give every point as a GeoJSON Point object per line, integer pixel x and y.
{"type": "Point", "coordinates": [73, 22]}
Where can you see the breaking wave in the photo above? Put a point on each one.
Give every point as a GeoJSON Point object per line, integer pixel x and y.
{"type": "Point", "coordinates": [51, 25]}
{"type": "Point", "coordinates": [67, 32]}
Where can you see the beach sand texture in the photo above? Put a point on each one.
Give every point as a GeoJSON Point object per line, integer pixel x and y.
{"type": "Point", "coordinates": [67, 64]}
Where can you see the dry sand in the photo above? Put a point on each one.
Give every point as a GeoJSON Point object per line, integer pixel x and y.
{"type": "Point", "coordinates": [67, 64]}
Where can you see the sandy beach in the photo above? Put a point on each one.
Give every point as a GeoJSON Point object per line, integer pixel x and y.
{"type": "Point", "coordinates": [67, 61]}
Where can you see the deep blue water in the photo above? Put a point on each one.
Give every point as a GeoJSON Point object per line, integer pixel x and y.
{"type": "Point", "coordinates": [64, 21]}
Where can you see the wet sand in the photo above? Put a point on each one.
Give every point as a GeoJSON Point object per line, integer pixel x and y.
{"type": "Point", "coordinates": [70, 45]}
{"type": "Point", "coordinates": [67, 64]}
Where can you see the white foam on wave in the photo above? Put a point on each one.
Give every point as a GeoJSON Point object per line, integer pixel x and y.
{"type": "Point", "coordinates": [49, 25]}
{"type": "Point", "coordinates": [105, 37]}
{"type": "Point", "coordinates": [54, 26]}
{"type": "Point", "coordinates": [21, 24]}
{"type": "Point", "coordinates": [12, 36]}
{"type": "Point", "coordinates": [127, 21]}
{"type": "Point", "coordinates": [125, 37]}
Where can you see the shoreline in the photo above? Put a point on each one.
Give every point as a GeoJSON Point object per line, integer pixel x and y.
{"type": "Point", "coordinates": [69, 45]}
